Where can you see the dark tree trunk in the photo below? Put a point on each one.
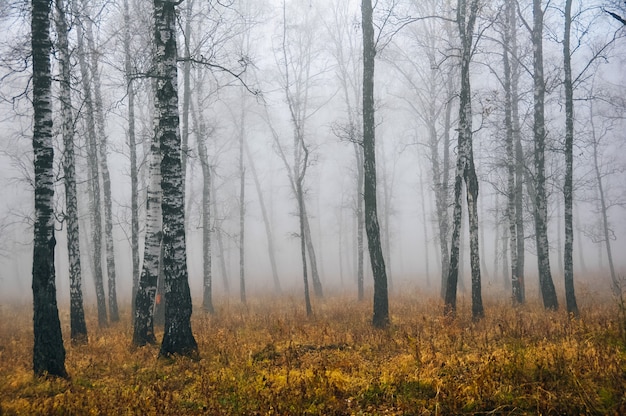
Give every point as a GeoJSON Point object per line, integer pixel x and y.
{"type": "Point", "coordinates": [78, 328]}
{"type": "Point", "coordinates": [381, 298]}
{"type": "Point", "coordinates": [48, 350]}
{"type": "Point", "coordinates": [302, 214]}
{"type": "Point", "coordinates": [568, 191]}
{"type": "Point", "coordinates": [541, 206]}
{"type": "Point", "coordinates": [178, 337]}
{"type": "Point", "coordinates": [317, 283]}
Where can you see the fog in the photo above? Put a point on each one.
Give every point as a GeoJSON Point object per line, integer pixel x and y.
{"type": "Point", "coordinates": [403, 162]}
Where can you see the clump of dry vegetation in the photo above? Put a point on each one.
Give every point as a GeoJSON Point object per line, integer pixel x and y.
{"type": "Point", "coordinates": [268, 358]}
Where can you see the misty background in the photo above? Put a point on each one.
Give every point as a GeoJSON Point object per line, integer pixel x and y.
{"type": "Point", "coordinates": [245, 34]}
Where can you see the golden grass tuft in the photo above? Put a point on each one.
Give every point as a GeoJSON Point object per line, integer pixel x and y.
{"type": "Point", "coordinates": [268, 358]}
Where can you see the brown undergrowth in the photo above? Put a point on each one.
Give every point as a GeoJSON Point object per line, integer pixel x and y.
{"type": "Point", "coordinates": [268, 358]}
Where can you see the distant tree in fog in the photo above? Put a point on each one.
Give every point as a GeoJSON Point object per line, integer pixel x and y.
{"type": "Point", "coordinates": [92, 165]}
{"type": "Point", "coordinates": [346, 48]}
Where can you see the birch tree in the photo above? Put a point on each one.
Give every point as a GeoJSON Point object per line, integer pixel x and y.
{"type": "Point", "coordinates": [143, 324]}
{"type": "Point", "coordinates": [178, 337]}
{"type": "Point", "coordinates": [78, 328]}
{"type": "Point", "coordinates": [48, 350]}
{"type": "Point", "coordinates": [546, 284]}
{"type": "Point", "coordinates": [465, 170]}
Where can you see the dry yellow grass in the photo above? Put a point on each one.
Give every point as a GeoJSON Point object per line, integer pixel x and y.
{"type": "Point", "coordinates": [269, 359]}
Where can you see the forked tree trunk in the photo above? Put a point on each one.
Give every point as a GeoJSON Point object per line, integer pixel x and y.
{"type": "Point", "coordinates": [465, 171]}
{"type": "Point", "coordinates": [78, 328]}
{"type": "Point", "coordinates": [48, 350]}
{"type": "Point", "coordinates": [94, 175]}
{"type": "Point", "coordinates": [381, 298]}
{"type": "Point", "coordinates": [178, 338]}
{"type": "Point", "coordinates": [104, 171]}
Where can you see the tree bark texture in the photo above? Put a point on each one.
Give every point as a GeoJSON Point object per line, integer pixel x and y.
{"type": "Point", "coordinates": [48, 350]}
{"type": "Point", "coordinates": [143, 331]}
{"type": "Point", "coordinates": [178, 338]}
{"type": "Point", "coordinates": [381, 298]}
{"type": "Point", "coordinates": [78, 328]}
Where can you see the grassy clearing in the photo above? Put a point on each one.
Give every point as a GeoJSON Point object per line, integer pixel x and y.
{"type": "Point", "coordinates": [269, 359]}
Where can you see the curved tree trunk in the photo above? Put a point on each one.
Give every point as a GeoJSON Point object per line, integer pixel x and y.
{"type": "Point", "coordinates": [48, 350]}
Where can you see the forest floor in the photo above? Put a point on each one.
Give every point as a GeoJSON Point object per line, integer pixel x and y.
{"type": "Point", "coordinates": [268, 358]}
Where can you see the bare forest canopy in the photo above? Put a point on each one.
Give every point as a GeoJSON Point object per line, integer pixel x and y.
{"type": "Point", "coordinates": [270, 93]}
